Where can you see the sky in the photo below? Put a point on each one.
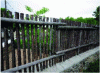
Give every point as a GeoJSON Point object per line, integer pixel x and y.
{"type": "Point", "coordinates": [57, 8]}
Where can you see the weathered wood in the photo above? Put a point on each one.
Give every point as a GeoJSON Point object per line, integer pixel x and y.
{"type": "Point", "coordinates": [36, 57]}
{"type": "Point", "coordinates": [46, 43]}
{"type": "Point", "coordinates": [28, 41]}
{"type": "Point", "coordinates": [31, 64]}
{"type": "Point", "coordinates": [36, 38]}
{"type": "Point", "coordinates": [76, 27]}
{"type": "Point", "coordinates": [2, 50]}
{"type": "Point", "coordinates": [6, 48]}
{"type": "Point", "coordinates": [29, 22]}
{"type": "Point", "coordinates": [44, 52]}
{"type": "Point", "coordinates": [18, 40]}
{"type": "Point", "coordinates": [50, 44]}
{"type": "Point", "coordinates": [54, 27]}
{"type": "Point", "coordinates": [33, 48]}
{"type": "Point", "coordinates": [43, 46]}
{"type": "Point", "coordinates": [40, 48]}
{"type": "Point", "coordinates": [23, 38]}
{"type": "Point", "coordinates": [64, 51]}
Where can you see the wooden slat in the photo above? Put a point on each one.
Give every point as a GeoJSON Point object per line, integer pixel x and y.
{"type": "Point", "coordinates": [2, 59]}
{"type": "Point", "coordinates": [50, 44]}
{"type": "Point", "coordinates": [11, 61]}
{"type": "Point", "coordinates": [47, 42]}
{"type": "Point", "coordinates": [6, 40]}
{"type": "Point", "coordinates": [33, 45]}
{"type": "Point", "coordinates": [23, 38]}
{"type": "Point", "coordinates": [44, 52]}
{"type": "Point", "coordinates": [40, 39]}
{"type": "Point", "coordinates": [52, 47]}
{"type": "Point", "coordinates": [31, 64]}
{"type": "Point", "coordinates": [33, 48]}
{"type": "Point", "coordinates": [56, 40]}
{"type": "Point", "coordinates": [18, 40]}
{"type": "Point", "coordinates": [6, 48]}
{"type": "Point", "coordinates": [12, 45]}
{"type": "Point", "coordinates": [43, 46]}
{"type": "Point", "coordinates": [37, 47]}
{"type": "Point", "coordinates": [28, 41]}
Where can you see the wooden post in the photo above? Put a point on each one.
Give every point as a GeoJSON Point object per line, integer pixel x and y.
{"type": "Point", "coordinates": [50, 42]}
{"type": "Point", "coordinates": [36, 44]}
{"type": "Point", "coordinates": [18, 40]}
{"type": "Point", "coordinates": [40, 48]}
{"type": "Point", "coordinates": [28, 41]}
{"type": "Point", "coordinates": [12, 43]}
{"type": "Point", "coordinates": [80, 38]}
{"type": "Point", "coordinates": [23, 38]}
{"type": "Point", "coordinates": [47, 42]}
{"type": "Point", "coordinates": [6, 48]}
{"type": "Point", "coordinates": [44, 52]}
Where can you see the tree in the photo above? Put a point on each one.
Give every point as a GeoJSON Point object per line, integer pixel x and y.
{"type": "Point", "coordinates": [41, 11]}
{"type": "Point", "coordinates": [70, 18]}
{"type": "Point", "coordinates": [96, 13]}
{"type": "Point", "coordinates": [28, 8]}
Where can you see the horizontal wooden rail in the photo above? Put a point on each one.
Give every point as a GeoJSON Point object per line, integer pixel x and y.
{"type": "Point", "coordinates": [31, 64]}
{"type": "Point", "coordinates": [74, 27]}
{"type": "Point", "coordinates": [30, 22]}
{"type": "Point", "coordinates": [64, 51]}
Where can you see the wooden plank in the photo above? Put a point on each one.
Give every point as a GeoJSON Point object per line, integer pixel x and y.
{"type": "Point", "coordinates": [33, 48]}
{"type": "Point", "coordinates": [6, 48]}
{"type": "Point", "coordinates": [23, 38]}
{"type": "Point", "coordinates": [33, 45]}
{"type": "Point", "coordinates": [50, 44]}
{"type": "Point", "coordinates": [12, 43]}
{"type": "Point", "coordinates": [40, 48]}
{"type": "Point", "coordinates": [37, 48]}
{"type": "Point", "coordinates": [76, 27]}
{"type": "Point", "coordinates": [2, 59]}
{"type": "Point", "coordinates": [54, 27]}
{"type": "Point", "coordinates": [53, 45]}
{"type": "Point", "coordinates": [29, 22]}
{"type": "Point", "coordinates": [28, 41]}
{"type": "Point", "coordinates": [30, 64]}
{"type": "Point", "coordinates": [43, 46]}
{"type": "Point", "coordinates": [47, 42]}
{"type": "Point", "coordinates": [44, 49]}
{"type": "Point", "coordinates": [18, 40]}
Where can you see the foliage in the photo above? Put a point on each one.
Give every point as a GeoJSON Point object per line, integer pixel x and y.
{"type": "Point", "coordinates": [70, 18]}
{"type": "Point", "coordinates": [7, 13]}
{"type": "Point", "coordinates": [28, 8]}
{"type": "Point", "coordinates": [84, 20]}
{"type": "Point", "coordinates": [42, 11]}
{"type": "Point", "coordinates": [39, 12]}
{"type": "Point", "coordinates": [96, 13]}
{"type": "Point", "coordinates": [93, 67]}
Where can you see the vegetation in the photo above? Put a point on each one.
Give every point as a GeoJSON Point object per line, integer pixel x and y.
{"type": "Point", "coordinates": [96, 13]}
{"type": "Point", "coordinates": [84, 20]}
{"type": "Point", "coordinates": [93, 67]}
{"type": "Point", "coordinates": [39, 12]}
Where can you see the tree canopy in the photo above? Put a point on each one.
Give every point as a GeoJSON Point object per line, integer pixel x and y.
{"type": "Point", "coordinates": [96, 13]}
{"type": "Point", "coordinates": [39, 12]}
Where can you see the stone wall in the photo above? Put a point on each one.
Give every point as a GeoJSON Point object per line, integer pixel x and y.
{"type": "Point", "coordinates": [83, 64]}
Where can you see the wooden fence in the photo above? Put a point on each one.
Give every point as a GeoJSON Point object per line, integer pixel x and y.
{"type": "Point", "coordinates": [42, 41]}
